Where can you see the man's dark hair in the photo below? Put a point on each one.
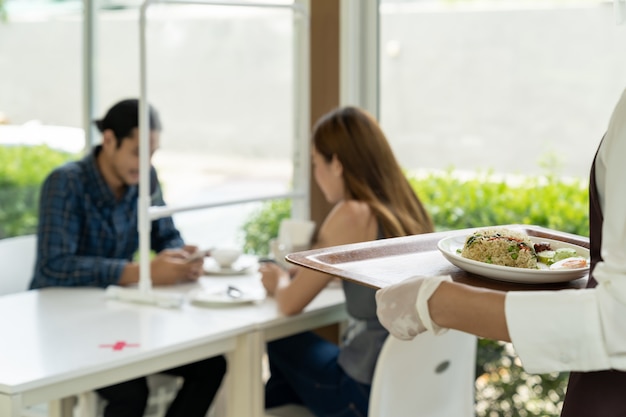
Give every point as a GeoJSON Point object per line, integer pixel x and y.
{"type": "Point", "coordinates": [123, 117]}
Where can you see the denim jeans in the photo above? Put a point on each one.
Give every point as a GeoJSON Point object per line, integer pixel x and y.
{"type": "Point", "coordinates": [304, 370]}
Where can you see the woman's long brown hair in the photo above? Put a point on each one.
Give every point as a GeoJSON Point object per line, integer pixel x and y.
{"type": "Point", "coordinates": [370, 170]}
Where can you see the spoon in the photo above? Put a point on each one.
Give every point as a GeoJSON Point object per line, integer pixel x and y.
{"type": "Point", "coordinates": [233, 292]}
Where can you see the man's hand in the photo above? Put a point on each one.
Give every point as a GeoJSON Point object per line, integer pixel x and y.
{"type": "Point", "coordinates": [172, 266]}
{"type": "Point", "coordinates": [193, 254]}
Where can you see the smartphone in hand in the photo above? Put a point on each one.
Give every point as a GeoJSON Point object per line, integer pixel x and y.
{"type": "Point", "coordinates": [271, 260]}
{"type": "Point", "coordinates": [199, 254]}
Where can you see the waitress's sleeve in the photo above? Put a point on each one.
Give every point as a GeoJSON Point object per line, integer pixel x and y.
{"type": "Point", "coordinates": [555, 331]}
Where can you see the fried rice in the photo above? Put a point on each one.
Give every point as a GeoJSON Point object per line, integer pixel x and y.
{"type": "Point", "coordinates": [500, 246]}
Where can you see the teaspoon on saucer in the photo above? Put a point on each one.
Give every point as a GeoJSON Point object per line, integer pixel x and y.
{"type": "Point", "coordinates": [233, 292]}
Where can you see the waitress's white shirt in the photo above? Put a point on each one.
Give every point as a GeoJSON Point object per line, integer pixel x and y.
{"type": "Point", "coordinates": [583, 330]}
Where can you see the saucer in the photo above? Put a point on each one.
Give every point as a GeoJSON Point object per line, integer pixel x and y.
{"type": "Point", "coordinates": [245, 265]}
{"type": "Point", "coordinates": [228, 271]}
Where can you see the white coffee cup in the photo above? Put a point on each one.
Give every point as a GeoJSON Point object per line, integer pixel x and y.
{"type": "Point", "coordinates": [293, 236]}
{"type": "Point", "coordinates": [225, 256]}
{"type": "Point", "coordinates": [296, 233]}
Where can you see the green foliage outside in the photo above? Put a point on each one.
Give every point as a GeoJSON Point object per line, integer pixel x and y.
{"type": "Point", "coordinates": [262, 226]}
{"type": "Point", "coordinates": [485, 199]}
{"type": "Point", "coordinates": [503, 389]}
{"type": "Point", "coordinates": [22, 170]}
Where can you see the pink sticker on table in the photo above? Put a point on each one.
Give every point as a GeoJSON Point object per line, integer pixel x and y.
{"type": "Point", "coordinates": [120, 345]}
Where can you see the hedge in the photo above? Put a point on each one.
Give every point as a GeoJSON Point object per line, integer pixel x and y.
{"type": "Point", "coordinates": [22, 170]}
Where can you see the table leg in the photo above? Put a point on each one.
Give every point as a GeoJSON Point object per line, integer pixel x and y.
{"type": "Point", "coordinates": [10, 405]}
{"type": "Point", "coordinates": [245, 383]}
{"type": "Point", "coordinates": [62, 408]}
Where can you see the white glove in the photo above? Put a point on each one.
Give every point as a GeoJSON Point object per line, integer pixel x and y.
{"type": "Point", "coordinates": [402, 308]}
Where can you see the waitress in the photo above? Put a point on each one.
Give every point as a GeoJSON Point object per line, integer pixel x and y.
{"type": "Point", "coordinates": [583, 331]}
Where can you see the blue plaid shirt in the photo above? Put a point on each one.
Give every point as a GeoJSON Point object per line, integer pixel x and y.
{"type": "Point", "coordinates": [85, 236]}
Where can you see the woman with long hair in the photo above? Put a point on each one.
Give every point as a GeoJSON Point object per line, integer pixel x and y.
{"type": "Point", "coordinates": [358, 173]}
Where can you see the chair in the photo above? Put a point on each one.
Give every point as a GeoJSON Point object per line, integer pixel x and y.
{"type": "Point", "coordinates": [430, 376]}
{"type": "Point", "coordinates": [163, 390]}
{"type": "Point", "coordinates": [17, 260]}
{"type": "Point", "coordinates": [289, 410]}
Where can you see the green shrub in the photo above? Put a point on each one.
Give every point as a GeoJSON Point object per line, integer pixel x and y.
{"type": "Point", "coordinates": [485, 199]}
{"type": "Point", "coordinates": [22, 170]}
{"type": "Point", "coordinates": [3, 12]}
{"type": "Point", "coordinates": [458, 203]}
{"type": "Point", "coordinates": [503, 388]}
{"type": "Point", "coordinates": [262, 226]}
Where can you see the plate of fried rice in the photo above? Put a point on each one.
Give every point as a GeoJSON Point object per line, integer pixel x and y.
{"type": "Point", "coordinates": [508, 255]}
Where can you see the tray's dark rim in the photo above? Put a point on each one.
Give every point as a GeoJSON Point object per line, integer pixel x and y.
{"type": "Point", "coordinates": [324, 259]}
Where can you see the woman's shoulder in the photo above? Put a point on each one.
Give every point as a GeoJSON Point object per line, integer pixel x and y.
{"type": "Point", "coordinates": [349, 221]}
{"type": "Point", "coordinates": [350, 210]}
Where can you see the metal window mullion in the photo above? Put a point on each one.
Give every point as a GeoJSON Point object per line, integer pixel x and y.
{"type": "Point", "coordinates": [300, 209]}
{"type": "Point", "coordinates": [143, 221]}
{"type": "Point", "coordinates": [359, 63]}
{"type": "Point", "coordinates": [158, 212]}
{"type": "Point", "coordinates": [90, 26]}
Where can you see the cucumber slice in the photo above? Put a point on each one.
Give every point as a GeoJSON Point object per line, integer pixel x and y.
{"type": "Point", "coordinates": [546, 257]}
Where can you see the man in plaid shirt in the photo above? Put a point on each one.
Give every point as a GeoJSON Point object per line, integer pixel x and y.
{"type": "Point", "coordinates": [87, 236]}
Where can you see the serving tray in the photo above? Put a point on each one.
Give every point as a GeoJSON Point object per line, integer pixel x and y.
{"type": "Point", "coordinates": [380, 263]}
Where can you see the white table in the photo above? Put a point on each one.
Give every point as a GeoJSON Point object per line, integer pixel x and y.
{"type": "Point", "coordinates": [59, 342]}
{"type": "Point", "coordinates": [246, 390]}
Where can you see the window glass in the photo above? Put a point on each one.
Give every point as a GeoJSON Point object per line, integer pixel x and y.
{"type": "Point", "coordinates": [221, 78]}
{"type": "Point", "coordinates": [40, 103]}
{"type": "Point", "coordinates": [511, 86]}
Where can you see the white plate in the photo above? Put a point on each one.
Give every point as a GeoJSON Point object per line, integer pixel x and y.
{"type": "Point", "coordinates": [449, 246]}
{"type": "Point", "coordinates": [221, 297]}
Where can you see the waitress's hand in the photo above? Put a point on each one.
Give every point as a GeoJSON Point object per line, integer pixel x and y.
{"type": "Point", "coordinates": [273, 276]}
{"type": "Point", "coordinates": [402, 308]}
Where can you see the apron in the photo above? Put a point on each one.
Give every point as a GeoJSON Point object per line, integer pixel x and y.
{"type": "Point", "coordinates": [600, 393]}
